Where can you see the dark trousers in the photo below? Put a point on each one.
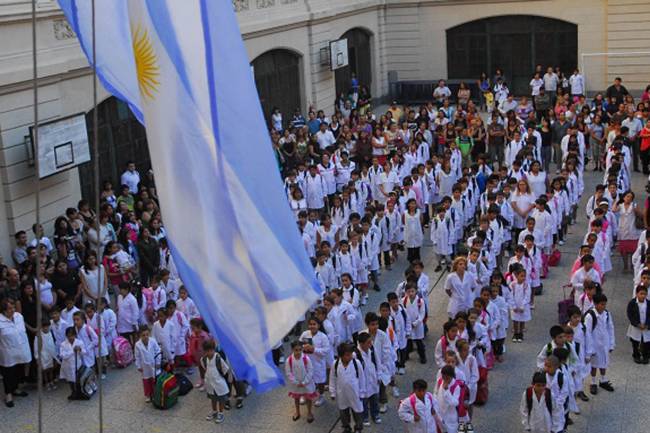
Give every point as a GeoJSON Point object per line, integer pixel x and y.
{"type": "Point", "coordinates": [371, 407]}
{"type": "Point", "coordinates": [383, 396]}
{"type": "Point", "coordinates": [497, 346]}
{"type": "Point", "coordinates": [345, 420]}
{"type": "Point", "coordinates": [401, 357]}
{"type": "Point", "coordinates": [645, 160]}
{"type": "Point", "coordinates": [640, 349]}
{"type": "Point", "coordinates": [636, 153]}
{"type": "Point", "coordinates": [11, 377]}
{"type": "Point", "coordinates": [420, 348]}
{"type": "Point", "coordinates": [386, 258]}
{"type": "Point", "coordinates": [412, 254]}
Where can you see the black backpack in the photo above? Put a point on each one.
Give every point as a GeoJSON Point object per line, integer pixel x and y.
{"type": "Point", "coordinates": [336, 367]}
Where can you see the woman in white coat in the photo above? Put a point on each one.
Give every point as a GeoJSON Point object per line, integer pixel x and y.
{"type": "Point", "coordinates": [14, 350]}
{"type": "Point", "coordinates": [317, 346]}
{"type": "Point", "coordinates": [460, 286]}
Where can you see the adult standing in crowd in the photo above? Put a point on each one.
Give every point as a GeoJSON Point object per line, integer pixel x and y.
{"type": "Point", "coordinates": [14, 350]}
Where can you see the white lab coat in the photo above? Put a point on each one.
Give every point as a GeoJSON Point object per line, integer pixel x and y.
{"type": "Point", "coordinates": [385, 356]}
{"type": "Point", "coordinates": [48, 350]}
{"type": "Point", "coordinates": [540, 420]}
{"type": "Point", "coordinates": [401, 326]}
{"type": "Point", "coordinates": [413, 235]}
{"type": "Point", "coordinates": [601, 337]}
{"type": "Point", "coordinates": [58, 330]}
{"type": "Point", "coordinates": [440, 236]}
{"type": "Point", "coordinates": [415, 313]}
{"type": "Point", "coordinates": [315, 190]}
{"type": "Point", "coordinates": [188, 307]}
{"type": "Point", "coordinates": [14, 345]}
{"type": "Point", "coordinates": [159, 298]}
{"type": "Point", "coordinates": [127, 314]}
{"type": "Point", "coordinates": [352, 296]}
{"type": "Point", "coordinates": [145, 358]}
{"type": "Point", "coordinates": [442, 346]}
{"type": "Point", "coordinates": [448, 402]}
{"type": "Point", "coordinates": [520, 300]}
{"type": "Point", "coordinates": [371, 367]}
{"type": "Point", "coordinates": [346, 384]}
{"type": "Point", "coordinates": [426, 409]}
{"type": "Point", "coordinates": [299, 372]}
{"type": "Point", "coordinates": [559, 394]}
{"type": "Point", "coordinates": [469, 367]}
{"type": "Point", "coordinates": [68, 362]}
{"type": "Point", "coordinates": [462, 291]}
{"type": "Point", "coordinates": [215, 383]}
{"type": "Point", "coordinates": [164, 336]}
{"type": "Point", "coordinates": [94, 323]}
{"type": "Point", "coordinates": [319, 358]}
{"type": "Point", "coordinates": [182, 331]}
{"type": "Point", "coordinates": [89, 338]}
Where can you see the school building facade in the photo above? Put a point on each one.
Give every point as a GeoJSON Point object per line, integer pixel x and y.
{"type": "Point", "coordinates": [389, 41]}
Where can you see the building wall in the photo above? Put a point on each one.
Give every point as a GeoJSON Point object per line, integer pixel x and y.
{"type": "Point", "coordinates": [408, 37]}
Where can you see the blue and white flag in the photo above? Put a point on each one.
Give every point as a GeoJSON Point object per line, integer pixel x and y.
{"type": "Point", "coordinates": [183, 69]}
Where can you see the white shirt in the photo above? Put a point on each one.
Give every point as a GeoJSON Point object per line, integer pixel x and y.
{"type": "Point", "coordinates": [131, 179]}
{"type": "Point", "coordinates": [325, 139]}
{"type": "Point", "coordinates": [577, 83]}
{"type": "Point", "coordinates": [145, 358]}
{"type": "Point", "coordinates": [14, 345]}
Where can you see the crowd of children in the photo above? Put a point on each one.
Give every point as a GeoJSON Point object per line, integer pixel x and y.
{"type": "Point", "coordinates": [493, 231]}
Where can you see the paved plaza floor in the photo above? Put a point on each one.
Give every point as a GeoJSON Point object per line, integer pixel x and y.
{"type": "Point", "coordinates": [624, 411]}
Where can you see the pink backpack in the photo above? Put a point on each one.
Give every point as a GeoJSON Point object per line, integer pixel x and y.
{"type": "Point", "coordinates": [123, 352]}
{"type": "Point", "coordinates": [147, 293]}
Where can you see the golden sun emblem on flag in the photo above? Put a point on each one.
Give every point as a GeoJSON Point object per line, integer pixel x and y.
{"type": "Point", "coordinates": [146, 62]}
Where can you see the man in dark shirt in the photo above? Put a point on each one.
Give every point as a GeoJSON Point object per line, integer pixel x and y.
{"type": "Point", "coordinates": [617, 91]}
{"type": "Point", "coordinates": [496, 139]}
{"type": "Point", "coordinates": [560, 129]}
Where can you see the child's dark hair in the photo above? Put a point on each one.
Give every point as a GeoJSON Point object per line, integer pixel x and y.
{"type": "Point", "coordinates": [170, 303]}
{"type": "Point", "coordinates": [209, 345]}
{"type": "Point", "coordinates": [561, 353]}
{"type": "Point", "coordinates": [599, 297]}
{"type": "Point", "coordinates": [143, 328]}
{"type": "Point", "coordinates": [420, 385]}
{"type": "Point", "coordinates": [371, 317]}
{"type": "Point", "coordinates": [448, 326]}
{"type": "Point", "coordinates": [363, 337]}
{"type": "Point", "coordinates": [70, 332]}
{"type": "Point", "coordinates": [295, 344]}
{"type": "Point", "coordinates": [448, 371]}
{"type": "Point", "coordinates": [539, 378]}
{"type": "Point", "coordinates": [344, 348]}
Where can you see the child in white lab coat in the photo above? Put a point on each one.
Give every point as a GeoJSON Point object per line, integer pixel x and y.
{"type": "Point", "coordinates": [127, 313]}
{"type": "Point", "coordinates": [147, 354]}
{"type": "Point", "coordinates": [366, 353]}
{"type": "Point", "coordinates": [536, 406]}
{"type": "Point", "coordinates": [440, 236]}
{"type": "Point", "coordinates": [182, 333]}
{"type": "Point", "coordinates": [163, 332]}
{"type": "Point", "coordinates": [415, 314]}
{"type": "Point", "coordinates": [559, 386]}
{"type": "Point", "coordinates": [446, 342]}
{"type": "Point", "coordinates": [420, 410]}
{"type": "Point", "coordinates": [58, 327]}
{"type": "Point", "coordinates": [48, 354]}
{"type": "Point", "coordinates": [87, 336]}
{"type": "Point", "coordinates": [448, 398]}
{"type": "Point", "coordinates": [95, 321]}
{"type": "Point", "coordinates": [72, 354]}
{"type": "Point", "coordinates": [600, 333]}
{"type": "Point", "coordinates": [578, 337]}
{"type": "Point", "coordinates": [186, 305]}
{"type": "Point", "coordinates": [347, 382]}
{"type": "Point", "coordinates": [317, 347]}
{"type": "Point", "coordinates": [520, 305]}
{"type": "Point", "coordinates": [216, 380]}
{"type": "Point", "coordinates": [300, 380]}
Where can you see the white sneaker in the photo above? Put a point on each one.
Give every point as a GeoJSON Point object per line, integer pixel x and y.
{"type": "Point", "coordinates": [366, 423]}
{"type": "Point", "coordinates": [211, 417]}
{"type": "Point", "coordinates": [147, 400]}
{"type": "Point", "coordinates": [364, 301]}
{"type": "Point", "coordinates": [395, 392]}
{"type": "Point", "coordinates": [319, 402]}
{"type": "Point", "coordinates": [377, 420]}
{"type": "Point", "coordinates": [281, 360]}
{"type": "Point", "coordinates": [383, 408]}
{"type": "Point", "coordinates": [219, 418]}
{"type": "Point", "coordinates": [561, 242]}
{"type": "Point", "coordinates": [103, 376]}
{"type": "Point", "coordinates": [401, 371]}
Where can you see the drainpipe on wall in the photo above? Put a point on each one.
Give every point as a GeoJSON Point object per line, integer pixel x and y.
{"type": "Point", "coordinates": [310, 41]}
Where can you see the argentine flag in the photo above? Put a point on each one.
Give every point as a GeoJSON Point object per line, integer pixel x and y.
{"type": "Point", "coordinates": [183, 69]}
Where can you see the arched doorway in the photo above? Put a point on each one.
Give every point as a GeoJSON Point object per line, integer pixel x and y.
{"type": "Point", "coordinates": [514, 43]}
{"type": "Point", "coordinates": [121, 139]}
{"type": "Point", "coordinates": [278, 81]}
{"type": "Point", "coordinates": [359, 61]}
